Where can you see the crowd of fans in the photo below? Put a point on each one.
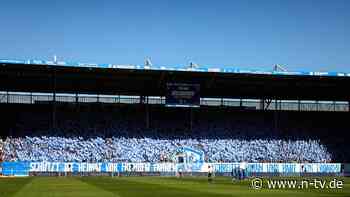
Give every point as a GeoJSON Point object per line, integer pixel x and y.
{"type": "Point", "coordinates": [116, 149]}
{"type": "Point", "coordinates": [124, 137]}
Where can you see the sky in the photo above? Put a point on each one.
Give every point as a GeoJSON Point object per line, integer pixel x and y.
{"type": "Point", "coordinates": [250, 34]}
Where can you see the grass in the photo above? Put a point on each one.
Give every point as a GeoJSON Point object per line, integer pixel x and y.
{"type": "Point", "coordinates": [149, 186]}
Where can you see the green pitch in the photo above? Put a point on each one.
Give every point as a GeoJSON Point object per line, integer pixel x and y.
{"type": "Point", "coordinates": [147, 186]}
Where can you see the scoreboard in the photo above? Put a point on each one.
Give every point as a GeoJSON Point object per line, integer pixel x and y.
{"type": "Point", "coordinates": [182, 95]}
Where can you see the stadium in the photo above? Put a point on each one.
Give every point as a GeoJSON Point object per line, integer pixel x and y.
{"type": "Point", "coordinates": [74, 128]}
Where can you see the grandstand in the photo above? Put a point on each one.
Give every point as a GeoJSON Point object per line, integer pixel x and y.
{"type": "Point", "coordinates": [98, 132]}
{"type": "Point", "coordinates": [72, 113]}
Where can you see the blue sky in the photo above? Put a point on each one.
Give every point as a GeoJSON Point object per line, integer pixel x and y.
{"type": "Point", "coordinates": [252, 34]}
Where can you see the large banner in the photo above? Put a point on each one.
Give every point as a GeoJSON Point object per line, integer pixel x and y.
{"type": "Point", "coordinates": [24, 168]}
{"type": "Point", "coordinates": [182, 95]}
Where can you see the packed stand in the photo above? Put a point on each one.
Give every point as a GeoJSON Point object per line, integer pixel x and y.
{"type": "Point", "coordinates": [123, 137]}
{"type": "Point", "coordinates": [116, 149]}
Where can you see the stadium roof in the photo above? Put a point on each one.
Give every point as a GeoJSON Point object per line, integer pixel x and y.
{"type": "Point", "coordinates": [64, 77]}
{"type": "Point", "coordinates": [176, 68]}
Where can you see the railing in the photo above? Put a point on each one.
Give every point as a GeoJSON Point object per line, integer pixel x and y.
{"type": "Point", "coordinates": [289, 105]}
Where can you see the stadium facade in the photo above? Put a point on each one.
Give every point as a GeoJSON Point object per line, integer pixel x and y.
{"type": "Point", "coordinates": [88, 118]}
